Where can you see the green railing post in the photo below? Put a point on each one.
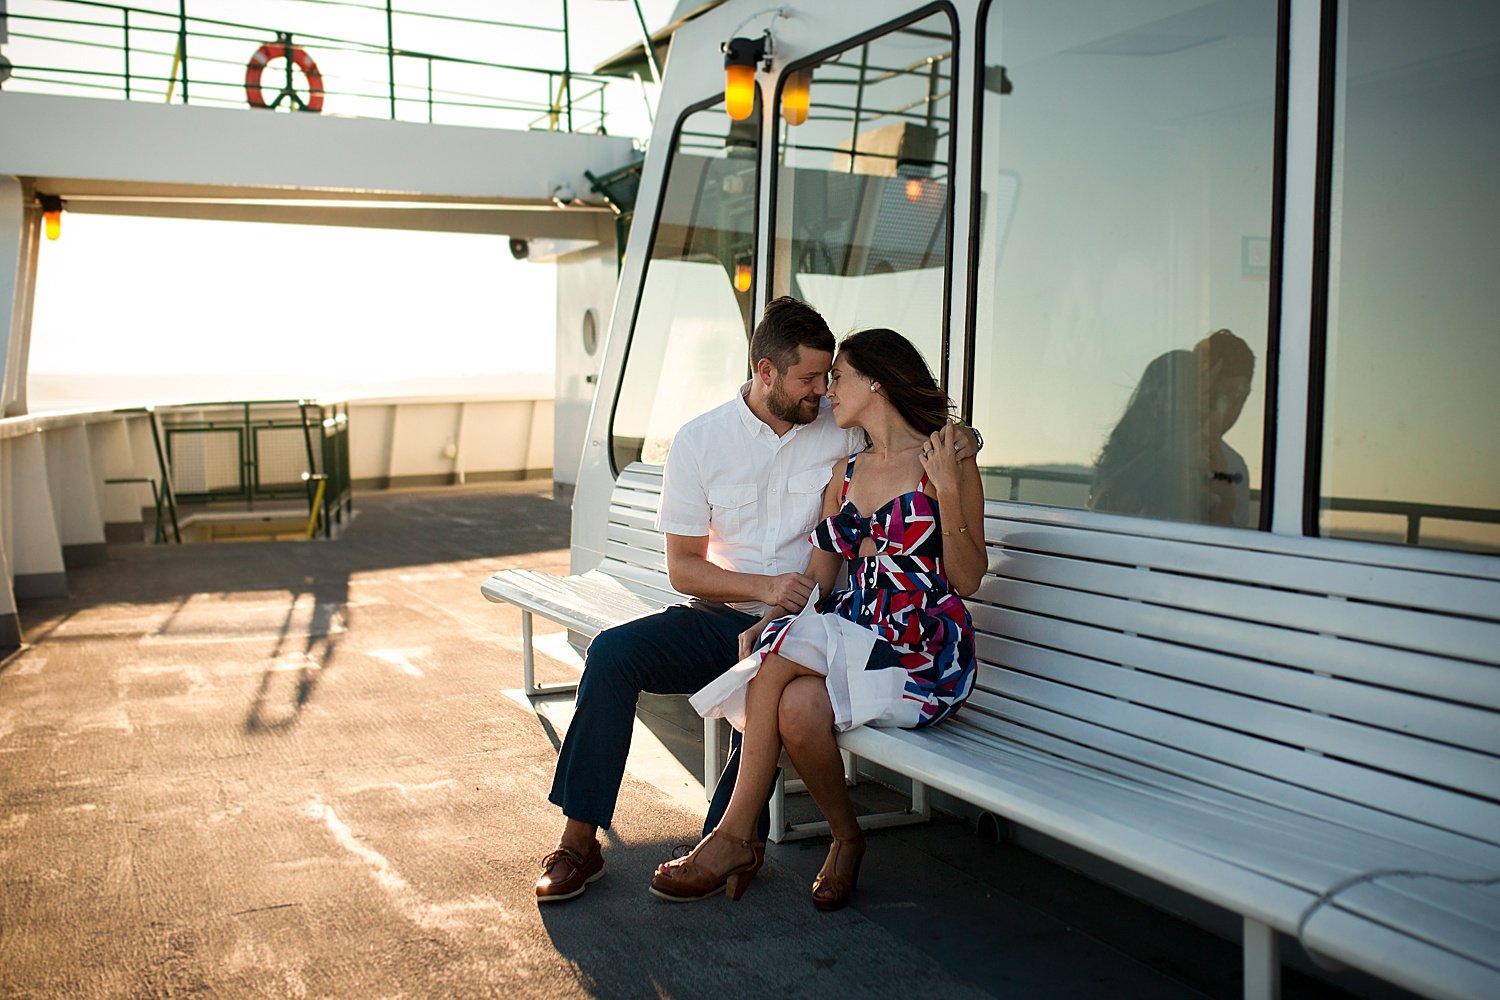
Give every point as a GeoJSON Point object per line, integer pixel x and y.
{"type": "Point", "coordinates": [567, 67]}
{"type": "Point", "coordinates": [390, 53]}
{"type": "Point", "coordinates": [126, 12]}
{"type": "Point", "coordinates": [168, 489]}
{"type": "Point", "coordinates": [182, 37]}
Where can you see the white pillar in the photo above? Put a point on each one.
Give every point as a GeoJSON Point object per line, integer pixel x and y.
{"type": "Point", "coordinates": [119, 503]}
{"type": "Point", "coordinates": [76, 497]}
{"type": "Point", "coordinates": [29, 522]}
{"type": "Point", "coordinates": [10, 622]}
{"type": "Point", "coordinates": [20, 231]}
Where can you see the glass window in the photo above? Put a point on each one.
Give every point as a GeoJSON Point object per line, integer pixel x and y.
{"type": "Point", "coordinates": [862, 199]}
{"type": "Point", "coordinates": [1123, 279]}
{"type": "Point", "coordinates": [1411, 410]}
{"type": "Point", "coordinates": [695, 303]}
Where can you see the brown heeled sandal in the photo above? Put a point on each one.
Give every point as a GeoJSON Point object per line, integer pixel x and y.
{"type": "Point", "coordinates": [832, 890]}
{"type": "Point", "coordinates": [684, 880]}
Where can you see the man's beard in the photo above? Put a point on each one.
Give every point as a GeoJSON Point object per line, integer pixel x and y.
{"type": "Point", "coordinates": [794, 411]}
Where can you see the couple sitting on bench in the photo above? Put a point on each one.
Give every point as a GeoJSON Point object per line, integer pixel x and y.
{"type": "Point", "coordinates": [807, 446]}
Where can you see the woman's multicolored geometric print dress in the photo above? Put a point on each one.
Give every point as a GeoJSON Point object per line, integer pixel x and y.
{"type": "Point", "coordinates": [901, 594]}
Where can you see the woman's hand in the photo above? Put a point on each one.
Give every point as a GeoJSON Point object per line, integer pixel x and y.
{"type": "Point", "coordinates": [940, 459]}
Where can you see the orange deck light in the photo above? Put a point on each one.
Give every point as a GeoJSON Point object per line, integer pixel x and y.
{"type": "Point", "coordinates": [742, 274]}
{"type": "Point", "coordinates": [914, 189]}
{"type": "Point", "coordinates": [741, 56]}
{"type": "Point", "coordinates": [52, 207]}
{"type": "Point", "coordinates": [796, 97]}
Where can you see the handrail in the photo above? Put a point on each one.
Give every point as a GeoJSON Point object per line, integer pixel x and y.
{"type": "Point", "coordinates": [559, 105]}
{"type": "Point", "coordinates": [1412, 511]}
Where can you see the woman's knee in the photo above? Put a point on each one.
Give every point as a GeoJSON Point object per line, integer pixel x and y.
{"type": "Point", "coordinates": [805, 713]}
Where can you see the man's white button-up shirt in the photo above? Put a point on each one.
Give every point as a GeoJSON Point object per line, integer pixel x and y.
{"type": "Point", "coordinates": [755, 494]}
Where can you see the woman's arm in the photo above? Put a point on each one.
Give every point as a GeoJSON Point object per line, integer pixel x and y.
{"type": "Point", "coordinates": [960, 496]}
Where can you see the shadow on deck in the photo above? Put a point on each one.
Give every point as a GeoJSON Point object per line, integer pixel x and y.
{"type": "Point", "coordinates": [285, 770]}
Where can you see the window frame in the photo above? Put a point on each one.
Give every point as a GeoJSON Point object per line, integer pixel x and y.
{"type": "Point", "coordinates": [950, 273]}
{"type": "Point", "coordinates": [661, 200]}
{"type": "Point", "coordinates": [1272, 376]}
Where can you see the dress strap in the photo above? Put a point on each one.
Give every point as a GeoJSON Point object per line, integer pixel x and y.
{"type": "Point", "coordinates": [922, 483]}
{"type": "Point", "coordinates": [848, 475]}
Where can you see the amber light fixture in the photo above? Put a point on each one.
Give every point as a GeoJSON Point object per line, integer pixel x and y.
{"type": "Point", "coordinates": [741, 56]}
{"type": "Point", "coordinates": [915, 189]}
{"type": "Point", "coordinates": [52, 207]}
{"type": "Point", "coordinates": [796, 97]}
{"type": "Point", "coordinates": [742, 274]}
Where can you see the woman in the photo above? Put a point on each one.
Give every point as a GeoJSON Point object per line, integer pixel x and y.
{"type": "Point", "coordinates": [1167, 456]}
{"type": "Point", "coordinates": [896, 648]}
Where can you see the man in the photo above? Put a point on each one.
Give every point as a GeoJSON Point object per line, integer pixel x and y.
{"type": "Point", "coordinates": [743, 487]}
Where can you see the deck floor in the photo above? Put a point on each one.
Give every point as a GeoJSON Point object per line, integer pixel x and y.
{"type": "Point", "coordinates": [282, 769]}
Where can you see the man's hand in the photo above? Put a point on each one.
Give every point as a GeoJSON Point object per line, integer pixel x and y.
{"type": "Point", "coordinates": [749, 637]}
{"type": "Point", "coordinates": [789, 590]}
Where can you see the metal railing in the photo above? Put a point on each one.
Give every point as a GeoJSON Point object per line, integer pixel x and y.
{"type": "Point", "coordinates": [1007, 481]}
{"type": "Point", "coordinates": [97, 48]}
{"type": "Point", "coordinates": [249, 452]}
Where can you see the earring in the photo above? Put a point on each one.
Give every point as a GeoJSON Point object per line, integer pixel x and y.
{"type": "Point", "coordinates": [874, 386]}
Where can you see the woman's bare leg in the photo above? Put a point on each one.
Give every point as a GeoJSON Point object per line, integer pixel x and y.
{"type": "Point", "coordinates": [760, 749]}
{"type": "Point", "coordinates": [806, 726]}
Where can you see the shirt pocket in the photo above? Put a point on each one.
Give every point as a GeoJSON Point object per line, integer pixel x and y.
{"type": "Point", "coordinates": [731, 508]}
{"type": "Point", "coordinates": [805, 492]}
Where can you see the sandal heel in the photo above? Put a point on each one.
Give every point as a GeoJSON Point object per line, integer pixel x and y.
{"type": "Point", "coordinates": [736, 884]}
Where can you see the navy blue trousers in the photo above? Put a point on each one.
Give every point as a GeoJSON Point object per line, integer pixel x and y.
{"type": "Point", "coordinates": [675, 651]}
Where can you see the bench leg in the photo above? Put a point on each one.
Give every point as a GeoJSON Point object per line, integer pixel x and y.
{"type": "Point", "coordinates": [1262, 963]}
{"type": "Point", "coordinates": [528, 665]}
{"type": "Point", "coordinates": [778, 810]}
{"type": "Point", "coordinates": [711, 764]}
{"type": "Point", "coordinates": [528, 659]}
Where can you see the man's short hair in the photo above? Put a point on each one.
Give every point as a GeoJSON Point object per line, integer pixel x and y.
{"type": "Point", "coordinates": [787, 326]}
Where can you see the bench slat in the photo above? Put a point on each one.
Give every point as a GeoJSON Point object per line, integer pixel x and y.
{"type": "Point", "coordinates": [641, 539]}
{"type": "Point", "coordinates": [1398, 956]}
{"type": "Point", "coordinates": [1397, 588]}
{"type": "Point", "coordinates": [639, 478]}
{"type": "Point", "coordinates": [632, 517]}
{"type": "Point", "coordinates": [649, 583]}
{"type": "Point", "coordinates": [1097, 720]}
{"type": "Point", "coordinates": [1463, 918]}
{"type": "Point", "coordinates": [654, 562]}
{"type": "Point", "coordinates": [1436, 763]}
{"type": "Point", "coordinates": [1423, 674]}
{"type": "Point", "coordinates": [1435, 719]}
{"type": "Point", "coordinates": [1226, 784]}
{"type": "Point", "coordinates": [1403, 629]}
{"type": "Point", "coordinates": [1364, 837]}
{"type": "Point", "coordinates": [588, 603]}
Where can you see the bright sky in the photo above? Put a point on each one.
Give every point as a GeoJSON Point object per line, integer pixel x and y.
{"type": "Point", "coordinates": [127, 306]}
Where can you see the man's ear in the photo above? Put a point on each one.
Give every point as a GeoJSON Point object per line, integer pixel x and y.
{"type": "Point", "coordinates": [765, 371]}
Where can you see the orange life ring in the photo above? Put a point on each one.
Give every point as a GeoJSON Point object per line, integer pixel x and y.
{"type": "Point", "coordinates": [283, 49]}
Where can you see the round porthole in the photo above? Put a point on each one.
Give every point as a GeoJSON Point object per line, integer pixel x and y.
{"type": "Point", "coordinates": [590, 331]}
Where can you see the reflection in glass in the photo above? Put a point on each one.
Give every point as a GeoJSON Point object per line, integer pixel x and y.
{"type": "Point", "coordinates": [1167, 456]}
{"type": "Point", "coordinates": [694, 309]}
{"type": "Point", "coordinates": [1127, 160]}
{"type": "Point", "coordinates": [1411, 412]}
{"type": "Point", "coordinates": [862, 199]}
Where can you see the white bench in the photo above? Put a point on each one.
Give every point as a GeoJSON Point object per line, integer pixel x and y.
{"type": "Point", "coordinates": [1310, 744]}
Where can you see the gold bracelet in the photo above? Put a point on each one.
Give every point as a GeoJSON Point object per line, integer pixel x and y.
{"type": "Point", "coordinates": [963, 529]}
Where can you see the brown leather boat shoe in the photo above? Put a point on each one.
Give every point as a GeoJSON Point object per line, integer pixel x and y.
{"type": "Point", "coordinates": [566, 874]}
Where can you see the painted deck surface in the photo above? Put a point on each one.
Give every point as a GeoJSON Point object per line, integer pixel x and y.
{"type": "Point", "coordinates": [277, 769]}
